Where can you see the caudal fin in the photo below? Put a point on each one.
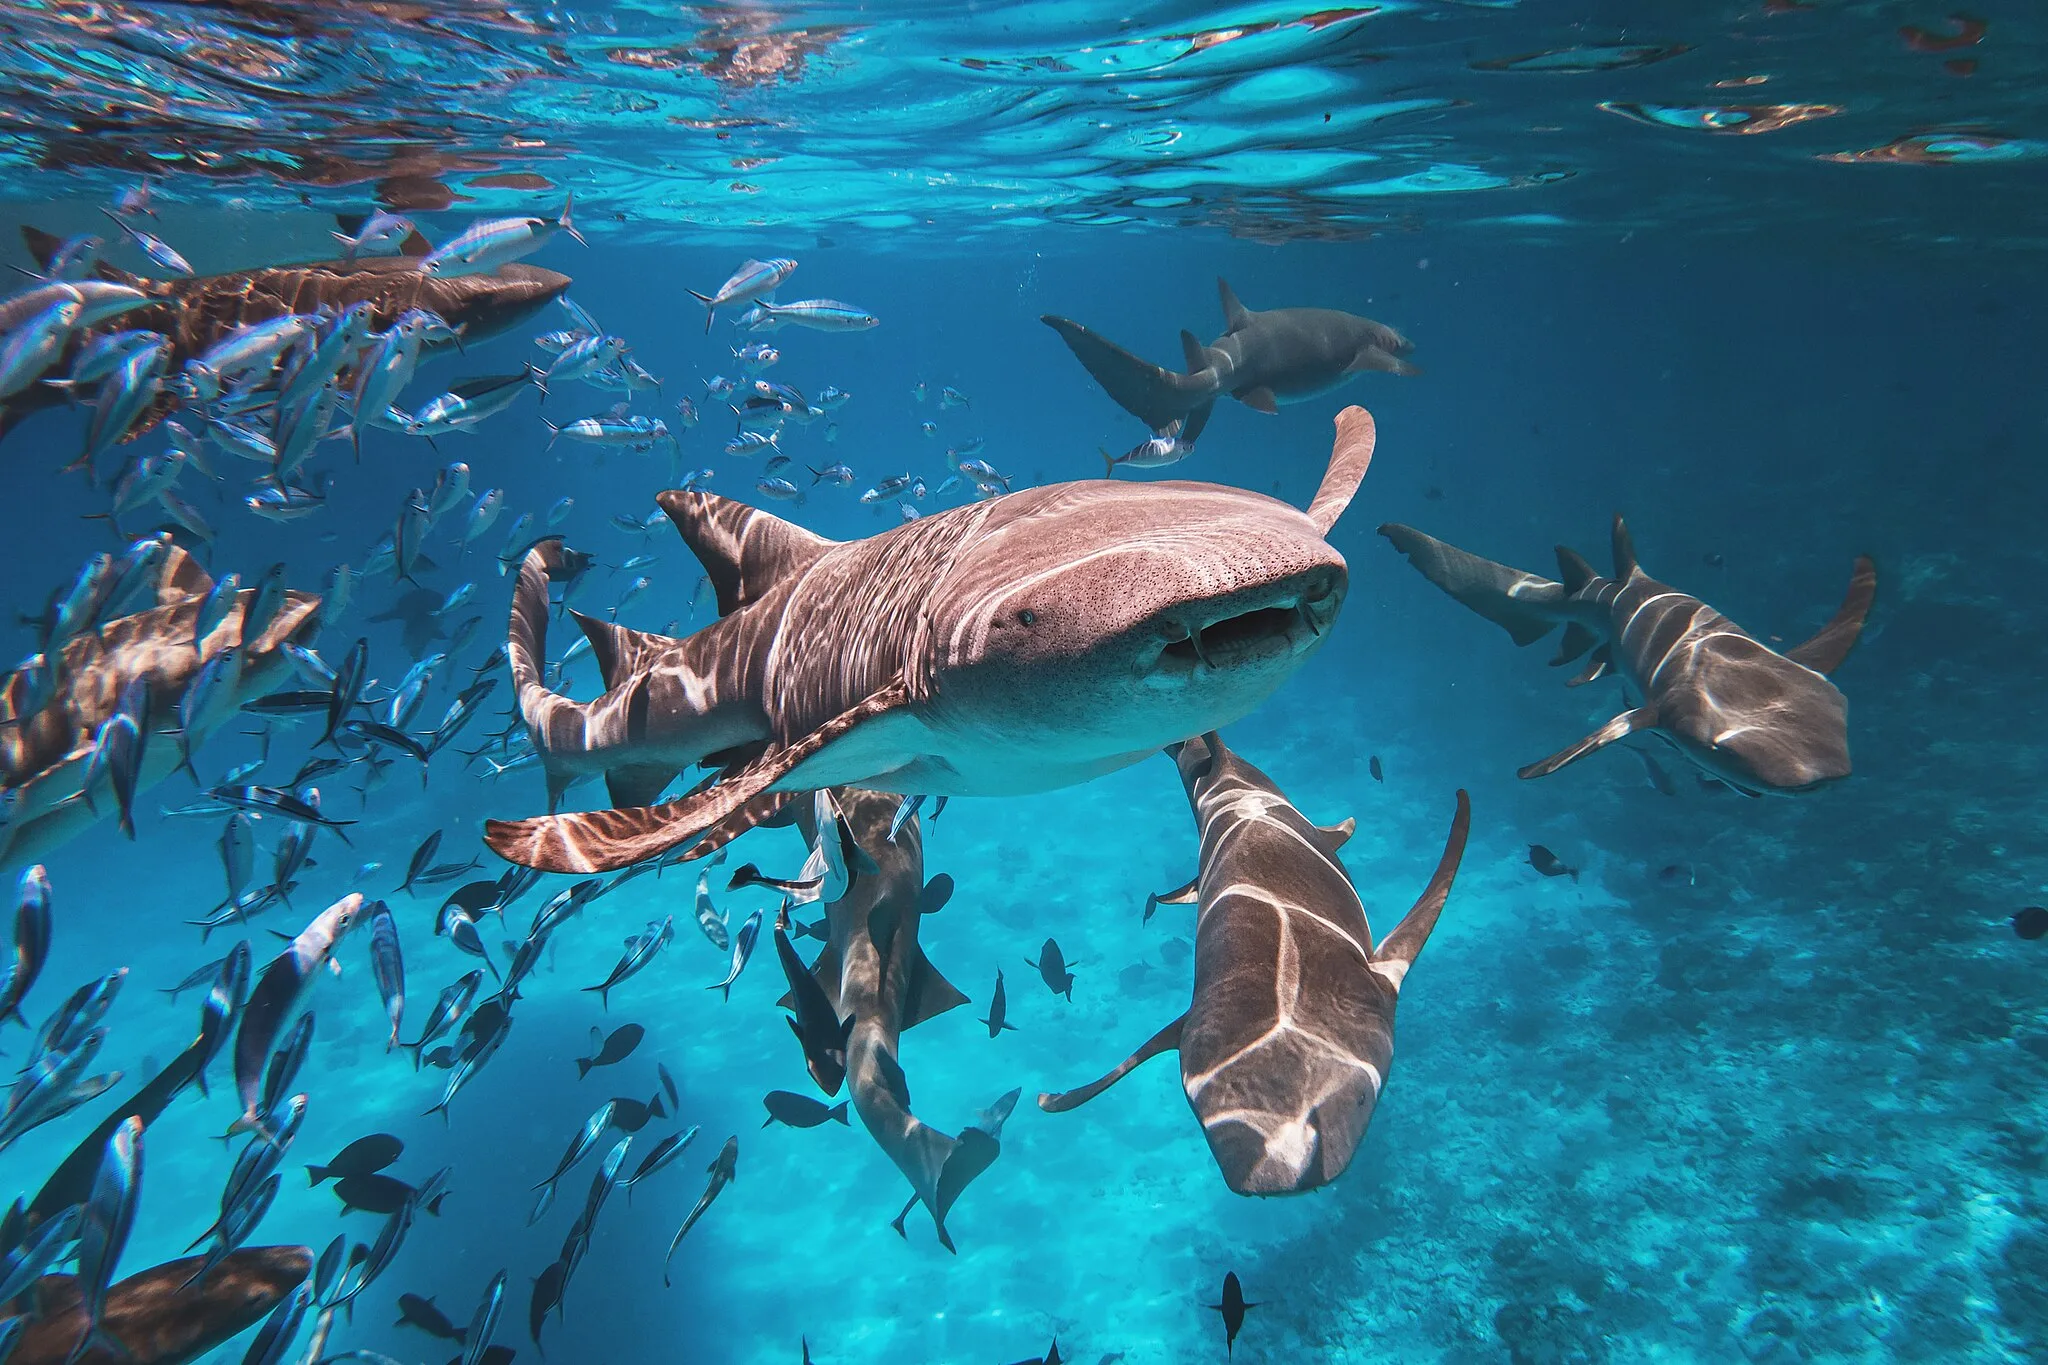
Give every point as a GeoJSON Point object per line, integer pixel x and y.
{"type": "Point", "coordinates": [1153, 395]}
{"type": "Point", "coordinates": [1525, 606]}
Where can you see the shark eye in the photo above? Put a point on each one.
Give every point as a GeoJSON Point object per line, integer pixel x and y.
{"type": "Point", "coordinates": [1027, 617]}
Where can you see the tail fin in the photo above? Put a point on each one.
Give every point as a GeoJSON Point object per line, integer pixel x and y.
{"type": "Point", "coordinates": [1525, 606]}
{"type": "Point", "coordinates": [1396, 952]}
{"type": "Point", "coordinates": [568, 224]}
{"type": "Point", "coordinates": [1153, 395]}
{"type": "Point", "coordinates": [557, 723]}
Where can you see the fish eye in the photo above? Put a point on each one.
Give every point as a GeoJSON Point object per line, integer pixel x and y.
{"type": "Point", "coordinates": [1027, 617]}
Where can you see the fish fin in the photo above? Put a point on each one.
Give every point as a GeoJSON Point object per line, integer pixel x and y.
{"type": "Point", "coordinates": [1577, 640]}
{"type": "Point", "coordinates": [1396, 952]}
{"type": "Point", "coordinates": [1236, 317]}
{"type": "Point", "coordinates": [1376, 357]}
{"type": "Point", "coordinates": [1525, 606]}
{"type": "Point", "coordinates": [936, 893]}
{"type": "Point", "coordinates": [762, 810]}
{"type": "Point", "coordinates": [181, 579]}
{"type": "Point", "coordinates": [1623, 725]}
{"type": "Point", "coordinates": [639, 785]}
{"type": "Point", "coordinates": [744, 550]}
{"type": "Point", "coordinates": [1180, 895]}
{"type": "Point", "coordinates": [1596, 667]}
{"type": "Point", "coordinates": [416, 245]}
{"type": "Point", "coordinates": [1197, 418]}
{"type": "Point", "coordinates": [1573, 569]}
{"type": "Point", "coordinates": [54, 1294]}
{"type": "Point", "coordinates": [1625, 565]}
{"type": "Point", "coordinates": [1166, 1040]}
{"type": "Point", "coordinates": [607, 840]}
{"type": "Point", "coordinates": [1350, 457]}
{"type": "Point", "coordinates": [1199, 357]}
{"type": "Point", "coordinates": [1331, 838]}
{"type": "Point", "coordinates": [1153, 395]}
{"type": "Point", "coordinates": [42, 246]}
{"type": "Point", "coordinates": [1258, 398]}
{"type": "Point", "coordinates": [927, 993]}
{"type": "Point", "coordinates": [1824, 652]}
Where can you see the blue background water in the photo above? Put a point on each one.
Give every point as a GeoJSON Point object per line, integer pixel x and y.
{"type": "Point", "coordinates": [1786, 1110]}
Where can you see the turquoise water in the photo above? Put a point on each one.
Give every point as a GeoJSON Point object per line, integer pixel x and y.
{"type": "Point", "coordinates": [1761, 1083]}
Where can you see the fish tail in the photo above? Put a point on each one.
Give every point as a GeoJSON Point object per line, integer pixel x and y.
{"type": "Point", "coordinates": [554, 431]}
{"type": "Point", "coordinates": [582, 1068]}
{"type": "Point", "coordinates": [1525, 606]}
{"type": "Point", "coordinates": [568, 224]}
{"type": "Point", "coordinates": [1150, 393]}
{"type": "Point", "coordinates": [1108, 464]}
{"type": "Point", "coordinates": [837, 1111]}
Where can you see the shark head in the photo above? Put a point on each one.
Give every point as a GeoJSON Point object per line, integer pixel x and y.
{"type": "Point", "coordinates": [1757, 720]}
{"type": "Point", "coordinates": [484, 306]}
{"type": "Point", "coordinates": [1108, 619]}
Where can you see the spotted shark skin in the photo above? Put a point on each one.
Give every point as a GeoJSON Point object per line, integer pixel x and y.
{"type": "Point", "coordinates": [874, 971]}
{"type": "Point", "coordinates": [1263, 359]}
{"type": "Point", "coordinates": [1762, 722]}
{"type": "Point", "coordinates": [1018, 645]}
{"type": "Point", "coordinates": [197, 312]}
{"type": "Point", "coordinates": [43, 757]}
{"type": "Point", "coordinates": [155, 1317]}
{"type": "Point", "coordinates": [1286, 1047]}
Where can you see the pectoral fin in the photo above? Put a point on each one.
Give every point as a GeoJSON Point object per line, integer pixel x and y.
{"type": "Point", "coordinates": [1622, 726]}
{"type": "Point", "coordinates": [1180, 895]}
{"type": "Point", "coordinates": [1258, 400]}
{"type": "Point", "coordinates": [1166, 1040]}
{"type": "Point", "coordinates": [1596, 667]}
{"type": "Point", "coordinates": [1824, 652]}
{"type": "Point", "coordinates": [607, 840]}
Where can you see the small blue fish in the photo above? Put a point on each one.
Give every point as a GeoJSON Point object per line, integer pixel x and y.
{"type": "Point", "coordinates": [378, 234]}
{"type": "Point", "coordinates": [154, 247]}
{"type": "Point", "coordinates": [822, 315]}
{"type": "Point", "coordinates": [492, 243]}
{"type": "Point", "coordinates": [781, 489]}
{"type": "Point", "coordinates": [752, 280]}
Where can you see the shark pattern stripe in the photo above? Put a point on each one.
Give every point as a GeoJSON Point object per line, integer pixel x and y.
{"type": "Point", "coordinates": [1022, 644]}
{"type": "Point", "coordinates": [1744, 714]}
{"type": "Point", "coordinates": [1288, 1042]}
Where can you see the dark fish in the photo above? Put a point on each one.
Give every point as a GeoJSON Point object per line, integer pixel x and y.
{"type": "Point", "coordinates": [295, 703]}
{"type": "Point", "coordinates": [448, 1011]}
{"type": "Point", "coordinates": [665, 1151]}
{"type": "Point", "coordinates": [271, 801]}
{"type": "Point", "coordinates": [668, 1083]}
{"type": "Point", "coordinates": [1379, 774]}
{"type": "Point", "coordinates": [474, 899]}
{"type": "Point", "coordinates": [800, 1111]}
{"type": "Point", "coordinates": [610, 1051]}
{"type": "Point", "coordinates": [640, 950]}
{"type": "Point", "coordinates": [414, 1311]}
{"type": "Point", "coordinates": [2031, 922]}
{"type": "Point", "coordinates": [202, 976]}
{"type": "Point", "coordinates": [1549, 864]}
{"type": "Point", "coordinates": [441, 1058]}
{"type": "Point", "coordinates": [364, 1156]}
{"type": "Point", "coordinates": [372, 1193]}
{"type": "Point", "coordinates": [1052, 1356]}
{"type": "Point", "coordinates": [999, 1009]}
{"type": "Point", "coordinates": [722, 1169]}
{"type": "Point", "coordinates": [579, 1147]}
{"type": "Point", "coordinates": [1054, 969]}
{"type": "Point", "coordinates": [347, 690]}
{"type": "Point", "coordinates": [547, 1295]}
{"type": "Point", "coordinates": [377, 732]}
{"type": "Point", "coordinates": [817, 1025]}
{"type": "Point", "coordinates": [630, 1116]}
{"type": "Point", "coordinates": [1671, 874]}
{"type": "Point", "coordinates": [422, 858]}
{"type": "Point", "coordinates": [1233, 1310]}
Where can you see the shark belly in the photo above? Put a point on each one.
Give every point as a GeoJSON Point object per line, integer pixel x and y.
{"type": "Point", "coordinates": [903, 752]}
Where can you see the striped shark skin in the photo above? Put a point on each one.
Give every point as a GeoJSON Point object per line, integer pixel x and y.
{"type": "Point", "coordinates": [43, 756]}
{"type": "Point", "coordinates": [154, 1316]}
{"type": "Point", "coordinates": [1022, 644]}
{"type": "Point", "coordinates": [1286, 1047]}
{"type": "Point", "coordinates": [199, 311]}
{"type": "Point", "coordinates": [1762, 722]}
{"type": "Point", "coordinates": [873, 971]}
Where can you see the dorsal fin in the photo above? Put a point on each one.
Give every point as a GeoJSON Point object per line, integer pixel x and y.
{"type": "Point", "coordinates": [926, 992]}
{"type": "Point", "coordinates": [42, 246]}
{"type": "Point", "coordinates": [1573, 569]}
{"type": "Point", "coordinates": [1196, 355]}
{"type": "Point", "coordinates": [1625, 566]}
{"type": "Point", "coordinates": [55, 1295]}
{"type": "Point", "coordinates": [619, 652]}
{"type": "Point", "coordinates": [744, 551]}
{"type": "Point", "coordinates": [936, 893]}
{"type": "Point", "coordinates": [183, 578]}
{"type": "Point", "coordinates": [1577, 640]}
{"type": "Point", "coordinates": [1396, 953]}
{"type": "Point", "coordinates": [1350, 457]}
{"type": "Point", "coordinates": [1330, 838]}
{"type": "Point", "coordinates": [1826, 650]}
{"type": "Point", "coordinates": [1235, 315]}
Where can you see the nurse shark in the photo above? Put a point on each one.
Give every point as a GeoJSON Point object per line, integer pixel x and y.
{"type": "Point", "coordinates": [1283, 355]}
{"type": "Point", "coordinates": [1757, 720]}
{"type": "Point", "coordinates": [1288, 1042]}
{"type": "Point", "coordinates": [197, 312]}
{"type": "Point", "coordinates": [1018, 645]}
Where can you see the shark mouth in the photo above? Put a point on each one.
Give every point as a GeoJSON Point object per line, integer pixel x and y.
{"type": "Point", "coordinates": [1259, 633]}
